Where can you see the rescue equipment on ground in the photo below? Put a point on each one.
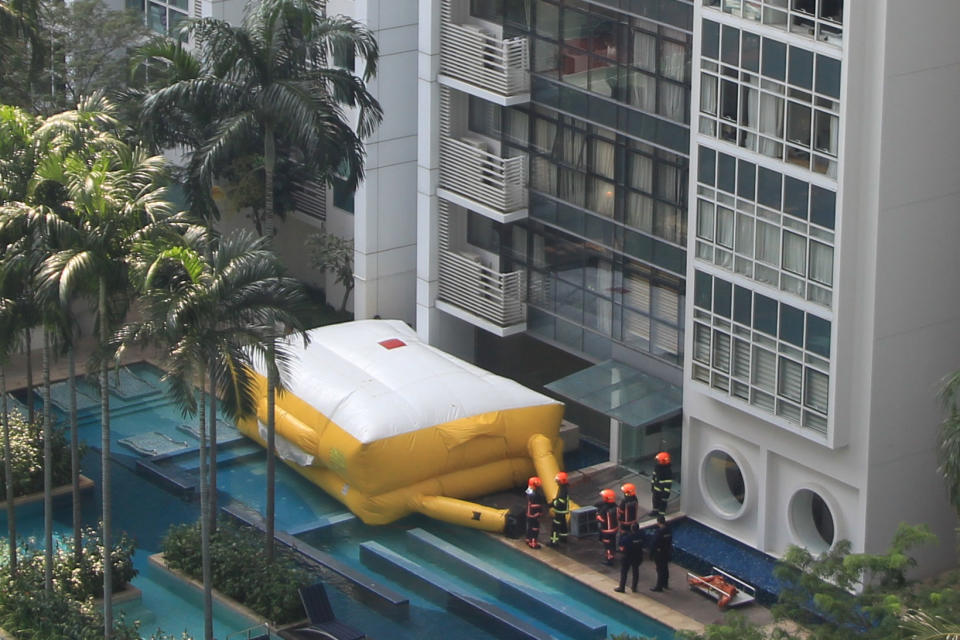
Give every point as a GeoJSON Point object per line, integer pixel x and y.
{"type": "Point", "coordinates": [727, 590]}
{"type": "Point", "coordinates": [389, 426]}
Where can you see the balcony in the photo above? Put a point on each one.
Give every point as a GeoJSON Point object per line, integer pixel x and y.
{"type": "Point", "coordinates": [477, 62]}
{"type": "Point", "coordinates": [473, 177]}
{"type": "Point", "coordinates": [480, 295]}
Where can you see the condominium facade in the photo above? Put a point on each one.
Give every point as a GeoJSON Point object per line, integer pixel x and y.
{"type": "Point", "coordinates": [721, 227]}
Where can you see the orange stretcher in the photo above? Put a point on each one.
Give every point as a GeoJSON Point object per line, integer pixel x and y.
{"type": "Point", "coordinates": [727, 590]}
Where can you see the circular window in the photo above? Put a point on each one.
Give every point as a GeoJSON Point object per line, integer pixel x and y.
{"type": "Point", "coordinates": [812, 521]}
{"type": "Point", "coordinates": [724, 483]}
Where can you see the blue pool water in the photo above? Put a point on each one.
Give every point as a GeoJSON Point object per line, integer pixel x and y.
{"type": "Point", "coordinates": [145, 510]}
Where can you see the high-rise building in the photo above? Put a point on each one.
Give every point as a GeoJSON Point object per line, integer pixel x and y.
{"type": "Point", "coordinates": [725, 228]}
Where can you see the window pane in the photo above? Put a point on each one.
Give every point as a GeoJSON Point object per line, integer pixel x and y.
{"type": "Point", "coordinates": [725, 230]}
{"type": "Point", "coordinates": [801, 67]}
{"type": "Point", "coordinates": [711, 39]}
{"type": "Point", "coordinates": [817, 390]}
{"type": "Point", "coordinates": [731, 46]}
{"type": "Point", "coordinates": [818, 335]}
{"type": "Point", "coordinates": [706, 170]}
{"type": "Point", "coordinates": [821, 263]}
{"type": "Point", "coordinates": [774, 59]}
{"type": "Point", "coordinates": [722, 291]}
{"type": "Point", "coordinates": [823, 204]}
{"type": "Point", "coordinates": [771, 115]}
{"type": "Point", "coordinates": [795, 197]}
{"type": "Point", "coordinates": [798, 123]}
{"type": "Point", "coordinates": [828, 76]}
{"type": "Point", "coordinates": [744, 242]}
{"type": "Point", "coordinates": [826, 132]}
{"type": "Point", "coordinates": [703, 290]}
{"type": "Point", "coordinates": [742, 307]}
{"type": "Point", "coordinates": [764, 369]}
{"type": "Point", "coordinates": [768, 243]}
{"type": "Point", "coordinates": [769, 187]}
{"type": "Point", "coordinates": [765, 314]}
{"type": "Point", "coordinates": [157, 18]}
{"type": "Point", "coordinates": [794, 253]}
{"type": "Point", "coordinates": [726, 173]}
{"type": "Point", "coordinates": [791, 379]}
{"type": "Point", "coordinates": [750, 53]}
{"type": "Point", "coordinates": [701, 343]}
{"type": "Point", "coordinates": [721, 351]}
{"type": "Point", "coordinates": [746, 179]}
{"type": "Point", "coordinates": [791, 325]}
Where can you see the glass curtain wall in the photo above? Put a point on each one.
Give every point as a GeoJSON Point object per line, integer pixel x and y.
{"type": "Point", "coordinates": [604, 246]}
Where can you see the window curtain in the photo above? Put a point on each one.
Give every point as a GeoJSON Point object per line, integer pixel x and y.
{"type": "Point", "coordinates": [794, 253]}
{"type": "Point", "coordinates": [708, 94]}
{"type": "Point", "coordinates": [643, 91]}
{"type": "Point", "coordinates": [821, 263]}
{"type": "Point", "coordinates": [672, 61]}
{"type": "Point", "coordinates": [771, 124]}
{"type": "Point", "coordinates": [744, 245]}
{"type": "Point", "coordinates": [666, 308]}
{"type": "Point", "coordinates": [701, 343]}
{"type": "Point", "coordinates": [768, 244]}
{"type": "Point", "coordinates": [672, 101]}
{"type": "Point", "coordinates": [725, 227]}
{"type": "Point", "coordinates": [705, 220]}
{"type": "Point", "coordinates": [764, 369]}
{"type": "Point", "coordinates": [645, 51]}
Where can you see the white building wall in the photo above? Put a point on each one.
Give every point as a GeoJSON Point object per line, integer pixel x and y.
{"type": "Point", "coordinates": [894, 330]}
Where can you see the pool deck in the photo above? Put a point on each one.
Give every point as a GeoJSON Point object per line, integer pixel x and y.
{"type": "Point", "coordinates": [581, 558]}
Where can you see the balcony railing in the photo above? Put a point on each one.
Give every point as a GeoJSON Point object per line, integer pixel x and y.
{"type": "Point", "coordinates": [470, 55]}
{"type": "Point", "coordinates": [472, 172]}
{"type": "Point", "coordinates": [479, 290]}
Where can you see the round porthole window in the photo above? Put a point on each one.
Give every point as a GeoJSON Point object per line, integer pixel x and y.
{"type": "Point", "coordinates": [724, 483]}
{"type": "Point", "coordinates": [812, 521]}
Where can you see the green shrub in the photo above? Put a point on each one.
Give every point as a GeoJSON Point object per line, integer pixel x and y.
{"type": "Point", "coordinates": [26, 445]}
{"type": "Point", "coordinates": [240, 569]}
{"type": "Point", "coordinates": [30, 613]}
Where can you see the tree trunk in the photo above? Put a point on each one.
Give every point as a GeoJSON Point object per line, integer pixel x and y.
{"type": "Point", "coordinates": [205, 520]}
{"type": "Point", "coordinates": [75, 459]}
{"type": "Point", "coordinates": [28, 344]}
{"type": "Point", "coordinates": [105, 466]}
{"type": "Point", "coordinates": [47, 470]}
{"type": "Point", "coordinates": [343, 303]}
{"type": "Point", "coordinates": [269, 165]}
{"type": "Point", "coordinates": [212, 493]}
{"type": "Point", "coordinates": [8, 476]}
{"type": "Point", "coordinates": [270, 515]}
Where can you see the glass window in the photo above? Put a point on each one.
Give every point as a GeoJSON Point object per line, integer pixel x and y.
{"type": "Point", "coordinates": [702, 290]}
{"type": "Point", "coordinates": [744, 244]}
{"type": "Point", "coordinates": [774, 59]}
{"type": "Point", "coordinates": [826, 132]}
{"type": "Point", "coordinates": [801, 67]}
{"type": "Point", "coordinates": [791, 325]}
{"type": "Point", "coordinates": [726, 173]}
{"type": "Point", "coordinates": [157, 18]}
{"type": "Point", "coordinates": [768, 243]}
{"type": "Point", "coordinates": [818, 335]}
{"type": "Point", "coordinates": [795, 197]}
{"type": "Point", "coordinates": [722, 302]}
{"type": "Point", "coordinates": [746, 179]}
{"type": "Point", "coordinates": [750, 52]}
{"type": "Point", "coordinates": [794, 253]}
{"type": "Point", "coordinates": [823, 204]}
{"type": "Point", "coordinates": [706, 166]}
{"type": "Point", "coordinates": [790, 381]}
{"type": "Point", "coordinates": [730, 51]}
{"type": "Point", "coordinates": [742, 305]}
{"type": "Point", "coordinates": [821, 263]}
{"type": "Point", "coordinates": [705, 220]}
{"type": "Point", "coordinates": [765, 314]}
{"type": "Point", "coordinates": [828, 76]}
{"type": "Point", "coordinates": [491, 10]}
{"type": "Point", "coordinates": [710, 42]}
{"type": "Point", "coordinates": [725, 227]}
{"type": "Point", "coordinates": [798, 123]}
{"type": "Point", "coordinates": [769, 187]}
{"type": "Point", "coordinates": [483, 232]}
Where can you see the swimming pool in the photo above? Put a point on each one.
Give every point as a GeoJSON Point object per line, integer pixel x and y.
{"type": "Point", "coordinates": [144, 418]}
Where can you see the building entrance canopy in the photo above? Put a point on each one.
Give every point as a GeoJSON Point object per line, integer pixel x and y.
{"type": "Point", "coordinates": [635, 398]}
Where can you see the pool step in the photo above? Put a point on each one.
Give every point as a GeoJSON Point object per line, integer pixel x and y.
{"type": "Point", "coordinates": [438, 588]}
{"type": "Point", "coordinates": [324, 524]}
{"type": "Point", "coordinates": [361, 579]}
{"type": "Point", "coordinates": [552, 610]}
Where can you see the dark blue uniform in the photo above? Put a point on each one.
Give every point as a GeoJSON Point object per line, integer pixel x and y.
{"type": "Point", "coordinates": [631, 549]}
{"type": "Point", "coordinates": [661, 550]}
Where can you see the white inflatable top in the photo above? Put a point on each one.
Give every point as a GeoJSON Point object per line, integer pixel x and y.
{"type": "Point", "coordinates": [376, 379]}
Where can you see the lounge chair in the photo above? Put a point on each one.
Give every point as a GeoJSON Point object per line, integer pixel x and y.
{"type": "Point", "coordinates": [323, 622]}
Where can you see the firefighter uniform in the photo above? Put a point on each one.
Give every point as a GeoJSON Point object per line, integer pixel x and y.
{"type": "Point", "coordinates": [607, 518]}
{"type": "Point", "coordinates": [661, 484]}
{"type": "Point", "coordinates": [534, 511]}
{"type": "Point", "coordinates": [561, 509]}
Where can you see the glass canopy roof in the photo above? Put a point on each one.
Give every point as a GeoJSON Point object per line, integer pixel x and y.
{"type": "Point", "coordinates": [633, 397]}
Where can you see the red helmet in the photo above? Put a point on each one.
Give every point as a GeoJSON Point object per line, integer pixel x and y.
{"type": "Point", "coordinates": [533, 482]}
{"type": "Point", "coordinates": [628, 489]}
{"type": "Point", "coordinates": [561, 477]}
{"type": "Point", "coordinates": [663, 458]}
{"type": "Point", "coordinates": [608, 495]}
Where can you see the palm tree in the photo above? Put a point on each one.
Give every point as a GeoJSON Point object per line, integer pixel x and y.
{"type": "Point", "coordinates": [212, 308]}
{"type": "Point", "coordinates": [272, 85]}
{"type": "Point", "coordinates": [118, 197]}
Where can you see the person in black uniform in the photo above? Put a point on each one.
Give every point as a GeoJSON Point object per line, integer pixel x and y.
{"type": "Point", "coordinates": [631, 546]}
{"type": "Point", "coordinates": [561, 509]}
{"type": "Point", "coordinates": [534, 511]}
{"type": "Point", "coordinates": [628, 508]}
{"type": "Point", "coordinates": [661, 549]}
{"type": "Point", "coordinates": [607, 518]}
{"type": "Point", "coordinates": [661, 484]}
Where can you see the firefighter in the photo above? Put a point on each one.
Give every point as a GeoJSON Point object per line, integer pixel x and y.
{"type": "Point", "coordinates": [661, 550]}
{"type": "Point", "coordinates": [628, 508]}
{"type": "Point", "coordinates": [631, 548]}
{"type": "Point", "coordinates": [607, 517]}
{"type": "Point", "coordinates": [534, 510]}
{"type": "Point", "coordinates": [561, 509]}
{"type": "Point", "coordinates": [661, 484]}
